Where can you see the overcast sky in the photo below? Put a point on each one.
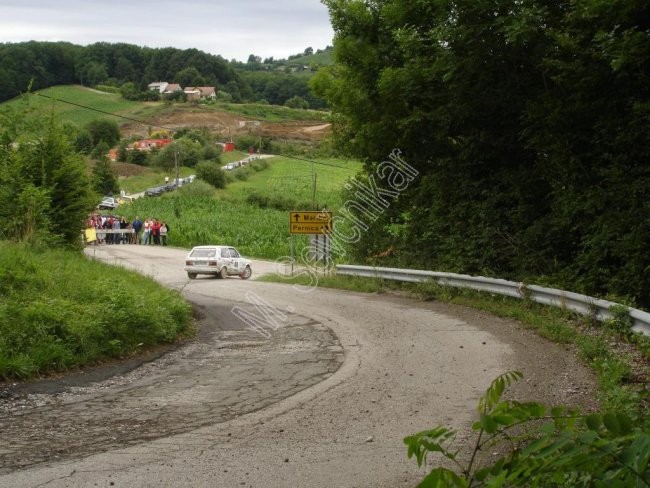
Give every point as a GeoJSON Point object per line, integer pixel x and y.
{"type": "Point", "coordinates": [231, 29]}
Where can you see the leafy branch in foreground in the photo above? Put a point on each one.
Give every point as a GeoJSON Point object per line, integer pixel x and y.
{"type": "Point", "coordinates": [539, 446]}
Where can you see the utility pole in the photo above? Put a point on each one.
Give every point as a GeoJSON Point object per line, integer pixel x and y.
{"type": "Point", "coordinates": [313, 187]}
{"type": "Point", "coordinates": [176, 164]}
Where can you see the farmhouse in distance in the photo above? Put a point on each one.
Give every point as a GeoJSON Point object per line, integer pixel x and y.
{"type": "Point", "coordinates": [193, 93]}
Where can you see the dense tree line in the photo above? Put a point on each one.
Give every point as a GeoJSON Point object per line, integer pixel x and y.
{"type": "Point", "coordinates": [45, 64]}
{"type": "Point", "coordinates": [277, 88]}
{"type": "Point", "coordinates": [50, 64]}
{"type": "Point", "coordinates": [528, 122]}
{"type": "Point", "coordinates": [131, 68]}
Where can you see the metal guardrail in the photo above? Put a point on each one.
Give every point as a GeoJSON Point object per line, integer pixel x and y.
{"type": "Point", "coordinates": [115, 231]}
{"type": "Point", "coordinates": [582, 304]}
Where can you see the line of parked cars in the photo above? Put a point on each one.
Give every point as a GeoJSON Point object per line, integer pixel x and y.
{"type": "Point", "coordinates": [235, 164]}
{"type": "Point", "coordinates": [159, 190]}
{"type": "Point", "coordinates": [111, 203]}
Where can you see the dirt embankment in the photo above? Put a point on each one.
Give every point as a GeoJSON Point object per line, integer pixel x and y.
{"type": "Point", "coordinates": [226, 125]}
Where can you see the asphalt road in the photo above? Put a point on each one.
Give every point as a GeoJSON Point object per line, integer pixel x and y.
{"type": "Point", "coordinates": [283, 387]}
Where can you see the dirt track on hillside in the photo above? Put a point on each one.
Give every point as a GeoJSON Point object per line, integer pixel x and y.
{"type": "Point", "coordinates": [227, 124]}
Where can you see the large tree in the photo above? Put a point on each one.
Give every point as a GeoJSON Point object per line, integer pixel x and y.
{"type": "Point", "coordinates": [103, 130]}
{"type": "Point", "coordinates": [528, 124]}
{"type": "Point", "coordinates": [45, 193]}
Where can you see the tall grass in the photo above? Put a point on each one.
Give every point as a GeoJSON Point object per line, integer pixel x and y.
{"type": "Point", "coordinates": [59, 310]}
{"type": "Point", "coordinates": [258, 227]}
{"type": "Point", "coordinates": [195, 220]}
{"type": "Point", "coordinates": [296, 180]}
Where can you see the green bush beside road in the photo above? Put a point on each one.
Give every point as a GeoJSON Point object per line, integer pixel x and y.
{"type": "Point", "coordinates": [59, 310]}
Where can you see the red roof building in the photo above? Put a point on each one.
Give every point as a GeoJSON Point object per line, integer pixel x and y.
{"type": "Point", "coordinates": [149, 144]}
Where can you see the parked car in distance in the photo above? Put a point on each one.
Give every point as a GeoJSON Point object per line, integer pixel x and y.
{"type": "Point", "coordinates": [218, 261]}
{"type": "Point", "coordinates": [125, 199]}
{"type": "Point", "coordinates": [108, 203]}
{"type": "Point", "coordinates": [154, 191]}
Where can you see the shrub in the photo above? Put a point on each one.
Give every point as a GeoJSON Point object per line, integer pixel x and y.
{"type": "Point", "coordinates": [211, 152]}
{"type": "Point", "coordinates": [297, 102]}
{"type": "Point", "coordinates": [211, 173]}
{"type": "Point", "coordinates": [198, 188]}
{"type": "Point", "coordinates": [538, 446]}
{"type": "Point", "coordinates": [102, 130]}
{"type": "Point", "coordinates": [242, 173]}
{"type": "Point", "coordinates": [259, 165]}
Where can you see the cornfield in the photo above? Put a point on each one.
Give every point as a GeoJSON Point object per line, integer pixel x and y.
{"type": "Point", "coordinates": [193, 221]}
{"type": "Point", "coordinates": [229, 218]}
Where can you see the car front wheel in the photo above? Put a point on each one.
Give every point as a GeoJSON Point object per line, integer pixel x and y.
{"type": "Point", "coordinates": [246, 273]}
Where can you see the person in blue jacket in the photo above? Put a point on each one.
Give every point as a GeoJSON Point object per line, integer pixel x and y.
{"type": "Point", "coordinates": [137, 228]}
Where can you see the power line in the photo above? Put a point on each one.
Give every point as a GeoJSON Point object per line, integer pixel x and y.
{"type": "Point", "coordinates": [105, 112]}
{"type": "Point", "coordinates": [311, 161]}
{"type": "Point", "coordinates": [142, 122]}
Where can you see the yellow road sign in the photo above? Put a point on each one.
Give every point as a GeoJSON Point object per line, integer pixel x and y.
{"type": "Point", "coordinates": [310, 222]}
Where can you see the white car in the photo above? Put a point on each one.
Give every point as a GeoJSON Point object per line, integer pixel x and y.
{"type": "Point", "coordinates": [219, 261]}
{"type": "Point", "coordinates": [108, 203]}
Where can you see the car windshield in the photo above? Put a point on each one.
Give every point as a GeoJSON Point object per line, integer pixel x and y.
{"type": "Point", "coordinates": [203, 253]}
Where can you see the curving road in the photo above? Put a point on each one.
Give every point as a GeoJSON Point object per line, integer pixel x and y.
{"type": "Point", "coordinates": [282, 387]}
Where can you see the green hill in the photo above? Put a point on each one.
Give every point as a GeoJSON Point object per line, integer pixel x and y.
{"type": "Point", "coordinates": [79, 105]}
{"type": "Point", "coordinates": [322, 58]}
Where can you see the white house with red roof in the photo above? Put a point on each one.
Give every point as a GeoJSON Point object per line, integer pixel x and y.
{"type": "Point", "coordinates": [159, 86]}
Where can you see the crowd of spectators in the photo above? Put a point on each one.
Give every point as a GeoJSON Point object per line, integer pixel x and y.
{"type": "Point", "coordinates": [147, 232]}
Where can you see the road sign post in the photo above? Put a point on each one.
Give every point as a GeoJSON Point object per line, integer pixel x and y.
{"type": "Point", "coordinates": [319, 226]}
{"type": "Point", "coordinates": [310, 222]}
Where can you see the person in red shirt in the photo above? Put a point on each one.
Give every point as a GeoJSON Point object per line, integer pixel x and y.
{"type": "Point", "coordinates": [155, 231]}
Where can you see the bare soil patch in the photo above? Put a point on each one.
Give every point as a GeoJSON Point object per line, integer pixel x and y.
{"type": "Point", "coordinates": [227, 124]}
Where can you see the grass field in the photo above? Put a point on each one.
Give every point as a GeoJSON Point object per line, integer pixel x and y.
{"type": "Point", "coordinates": [43, 102]}
{"type": "Point", "coordinates": [296, 179]}
{"type": "Point", "coordinates": [229, 217]}
{"type": "Point", "coordinates": [270, 113]}
{"type": "Point", "coordinates": [102, 104]}
{"type": "Point", "coordinates": [324, 58]}
{"type": "Point", "coordinates": [48, 322]}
